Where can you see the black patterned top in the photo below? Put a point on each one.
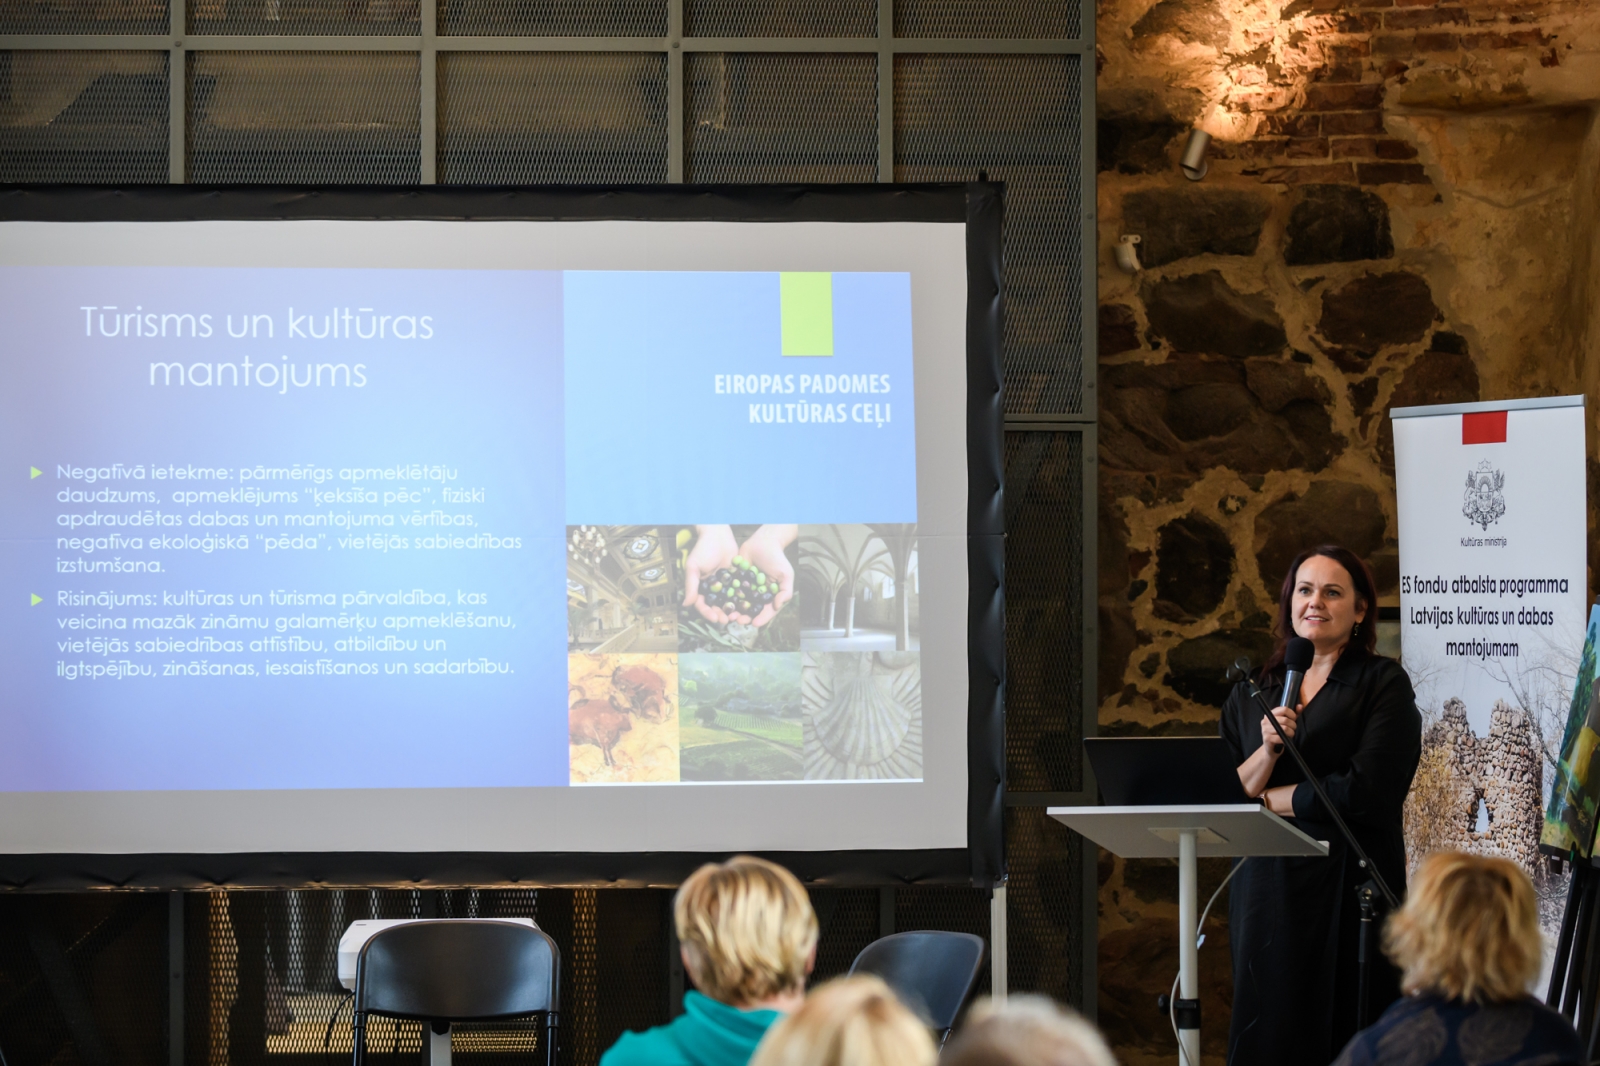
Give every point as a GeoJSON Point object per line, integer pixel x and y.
{"type": "Point", "coordinates": [1429, 1030]}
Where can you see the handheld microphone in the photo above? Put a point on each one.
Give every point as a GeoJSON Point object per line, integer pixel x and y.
{"type": "Point", "coordinates": [1297, 657]}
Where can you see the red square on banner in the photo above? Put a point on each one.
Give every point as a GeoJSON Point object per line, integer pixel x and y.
{"type": "Point", "coordinates": [1484, 427]}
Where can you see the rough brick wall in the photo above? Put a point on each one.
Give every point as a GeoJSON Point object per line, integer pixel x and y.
{"type": "Point", "coordinates": [1401, 209]}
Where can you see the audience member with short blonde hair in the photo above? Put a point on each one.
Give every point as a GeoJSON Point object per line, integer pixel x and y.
{"type": "Point", "coordinates": [1467, 942]}
{"type": "Point", "coordinates": [748, 937]}
{"type": "Point", "coordinates": [1469, 931]}
{"type": "Point", "coordinates": [747, 930]}
{"type": "Point", "coordinates": [853, 1021]}
{"type": "Point", "coordinates": [1026, 1031]}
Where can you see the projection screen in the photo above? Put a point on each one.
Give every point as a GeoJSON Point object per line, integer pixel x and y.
{"type": "Point", "coordinates": [486, 537]}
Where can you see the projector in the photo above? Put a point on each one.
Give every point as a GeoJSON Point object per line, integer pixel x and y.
{"type": "Point", "coordinates": [359, 933]}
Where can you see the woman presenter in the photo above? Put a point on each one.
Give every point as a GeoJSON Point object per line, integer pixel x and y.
{"type": "Point", "coordinates": [1294, 922]}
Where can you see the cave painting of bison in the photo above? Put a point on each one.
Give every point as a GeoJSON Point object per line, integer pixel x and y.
{"type": "Point", "coordinates": [644, 689]}
{"type": "Point", "coordinates": [622, 718]}
{"type": "Point", "coordinates": [597, 722]}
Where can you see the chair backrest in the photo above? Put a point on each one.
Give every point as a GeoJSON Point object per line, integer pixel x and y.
{"type": "Point", "coordinates": [931, 971]}
{"type": "Point", "coordinates": [458, 971]}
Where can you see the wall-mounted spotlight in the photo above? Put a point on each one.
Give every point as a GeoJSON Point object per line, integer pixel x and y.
{"type": "Point", "coordinates": [1128, 254]}
{"type": "Point", "coordinates": [1194, 163]}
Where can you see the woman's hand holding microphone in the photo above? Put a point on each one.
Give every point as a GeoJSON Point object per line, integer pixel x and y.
{"type": "Point", "coordinates": [1288, 719]}
{"type": "Point", "coordinates": [1256, 771]}
{"type": "Point", "coordinates": [1278, 800]}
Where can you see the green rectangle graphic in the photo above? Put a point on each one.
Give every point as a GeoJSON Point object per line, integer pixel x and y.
{"type": "Point", "coordinates": [806, 311]}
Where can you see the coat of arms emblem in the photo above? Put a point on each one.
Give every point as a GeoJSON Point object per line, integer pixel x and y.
{"type": "Point", "coordinates": [1485, 499]}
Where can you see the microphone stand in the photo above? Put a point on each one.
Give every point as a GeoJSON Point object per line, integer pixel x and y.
{"type": "Point", "coordinates": [1363, 891]}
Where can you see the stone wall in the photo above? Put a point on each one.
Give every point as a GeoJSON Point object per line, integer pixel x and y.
{"type": "Point", "coordinates": [1401, 209]}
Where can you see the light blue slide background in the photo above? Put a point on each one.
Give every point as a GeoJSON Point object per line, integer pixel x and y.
{"type": "Point", "coordinates": [483, 397]}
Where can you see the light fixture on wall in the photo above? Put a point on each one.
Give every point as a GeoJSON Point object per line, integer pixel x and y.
{"type": "Point", "coordinates": [1193, 164]}
{"type": "Point", "coordinates": [1128, 254]}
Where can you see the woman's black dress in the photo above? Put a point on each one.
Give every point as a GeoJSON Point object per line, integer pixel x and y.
{"type": "Point", "coordinates": [1294, 922]}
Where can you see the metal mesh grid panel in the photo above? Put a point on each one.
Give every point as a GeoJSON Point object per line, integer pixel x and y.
{"type": "Point", "coordinates": [1044, 610]}
{"type": "Point", "coordinates": [1044, 905]}
{"type": "Point", "coordinates": [82, 980]}
{"type": "Point", "coordinates": [304, 117]}
{"type": "Point", "coordinates": [552, 118]}
{"type": "Point", "coordinates": [1016, 117]}
{"type": "Point", "coordinates": [781, 118]}
{"type": "Point", "coordinates": [343, 17]}
{"type": "Point", "coordinates": [847, 921]}
{"type": "Point", "coordinates": [780, 18]}
{"type": "Point", "coordinates": [83, 16]}
{"type": "Point", "coordinates": [631, 977]}
{"type": "Point", "coordinates": [96, 117]}
{"type": "Point", "coordinates": [984, 18]}
{"type": "Point", "coordinates": [555, 18]}
{"type": "Point", "coordinates": [211, 977]}
{"type": "Point", "coordinates": [580, 979]}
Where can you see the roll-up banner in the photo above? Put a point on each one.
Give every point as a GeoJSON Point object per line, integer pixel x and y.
{"type": "Point", "coordinates": [1493, 597]}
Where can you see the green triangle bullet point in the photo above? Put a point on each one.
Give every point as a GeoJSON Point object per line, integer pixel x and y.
{"type": "Point", "coordinates": [34, 472]}
{"type": "Point", "coordinates": [34, 600]}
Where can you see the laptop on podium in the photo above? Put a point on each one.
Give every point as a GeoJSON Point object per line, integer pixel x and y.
{"type": "Point", "coordinates": [1165, 771]}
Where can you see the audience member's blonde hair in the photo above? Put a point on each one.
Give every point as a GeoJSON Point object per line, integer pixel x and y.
{"type": "Point", "coordinates": [1469, 929]}
{"type": "Point", "coordinates": [747, 930]}
{"type": "Point", "coordinates": [853, 1021]}
{"type": "Point", "coordinates": [1026, 1031]}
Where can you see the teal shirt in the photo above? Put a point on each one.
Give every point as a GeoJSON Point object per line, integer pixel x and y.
{"type": "Point", "coordinates": [707, 1033]}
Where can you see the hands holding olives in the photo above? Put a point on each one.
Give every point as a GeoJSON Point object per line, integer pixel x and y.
{"type": "Point", "coordinates": [713, 552]}
{"type": "Point", "coordinates": [747, 584]}
{"type": "Point", "coordinates": [764, 550]}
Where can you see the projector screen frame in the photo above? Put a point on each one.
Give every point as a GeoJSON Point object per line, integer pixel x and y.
{"type": "Point", "coordinates": [978, 205]}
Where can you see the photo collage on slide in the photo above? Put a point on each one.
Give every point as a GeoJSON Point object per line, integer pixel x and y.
{"type": "Point", "coordinates": [743, 653]}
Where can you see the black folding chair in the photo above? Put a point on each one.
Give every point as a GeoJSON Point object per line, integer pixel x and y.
{"type": "Point", "coordinates": [458, 971]}
{"type": "Point", "coordinates": [931, 971]}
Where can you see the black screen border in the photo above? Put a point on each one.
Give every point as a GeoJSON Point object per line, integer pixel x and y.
{"type": "Point", "coordinates": [978, 204]}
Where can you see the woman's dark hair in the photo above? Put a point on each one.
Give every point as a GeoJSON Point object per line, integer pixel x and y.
{"type": "Point", "coordinates": [1365, 588]}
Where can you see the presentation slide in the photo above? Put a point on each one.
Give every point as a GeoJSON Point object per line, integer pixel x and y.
{"type": "Point", "coordinates": [482, 536]}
